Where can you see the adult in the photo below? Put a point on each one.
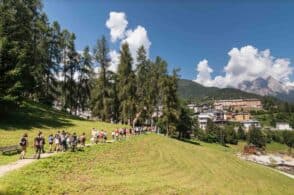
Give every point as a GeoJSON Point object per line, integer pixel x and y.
{"type": "Point", "coordinates": [57, 141]}
{"type": "Point", "coordinates": [105, 136]}
{"type": "Point", "coordinates": [38, 143]}
{"type": "Point", "coordinates": [50, 142]}
{"type": "Point", "coordinates": [73, 142]}
{"type": "Point", "coordinates": [63, 141]}
{"type": "Point", "coordinates": [43, 146]}
{"type": "Point", "coordinates": [113, 135]}
{"type": "Point", "coordinates": [83, 139]}
{"type": "Point", "coordinates": [23, 144]}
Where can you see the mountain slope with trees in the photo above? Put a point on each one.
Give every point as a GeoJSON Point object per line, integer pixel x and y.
{"type": "Point", "coordinates": [189, 90]}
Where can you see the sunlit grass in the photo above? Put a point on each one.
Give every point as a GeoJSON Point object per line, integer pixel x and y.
{"type": "Point", "coordinates": [33, 118]}
{"type": "Point", "coordinates": [148, 164]}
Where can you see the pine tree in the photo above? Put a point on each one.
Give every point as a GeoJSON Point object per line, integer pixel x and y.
{"type": "Point", "coordinates": [70, 65]}
{"type": "Point", "coordinates": [17, 46]}
{"type": "Point", "coordinates": [170, 103]}
{"type": "Point", "coordinates": [48, 63]}
{"type": "Point", "coordinates": [102, 101]}
{"type": "Point", "coordinates": [126, 86]}
{"type": "Point", "coordinates": [85, 79]}
{"type": "Point", "coordinates": [186, 123]}
{"type": "Point", "coordinates": [143, 81]}
{"type": "Point", "coordinates": [158, 74]}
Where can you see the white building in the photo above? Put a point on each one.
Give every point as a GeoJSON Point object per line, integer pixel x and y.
{"type": "Point", "coordinates": [203, 119]}
{"type": "Point", "coordinates": [283, 126]}
{"type": "Point", "coordinates": [250, 123]}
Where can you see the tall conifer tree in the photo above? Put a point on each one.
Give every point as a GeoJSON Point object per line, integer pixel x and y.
{"type": "Point", "coordinates": [126, 86]}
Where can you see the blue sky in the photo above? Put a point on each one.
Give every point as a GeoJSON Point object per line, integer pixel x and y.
{"type": "Point", "coordinates": [186, 32]}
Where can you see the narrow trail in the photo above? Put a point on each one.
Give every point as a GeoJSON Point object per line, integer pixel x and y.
{"type": "Point", "coordinates": [4, 169]}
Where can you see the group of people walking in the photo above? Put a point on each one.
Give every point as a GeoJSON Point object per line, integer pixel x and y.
{"type": "Point", "coordinates": [61, 141]}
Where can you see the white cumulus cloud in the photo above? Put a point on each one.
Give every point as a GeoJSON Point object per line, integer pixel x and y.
{"type": "Point", "coordinates": [246, 63]}
{"type": "Point", "coordinates": [135, 39]}
{"type": "Point", "coordinates": [117, 23]}
{"type": "Point", "coordinates": [204, 73]}
{"type": "Point", "coordinates": [114, 60]}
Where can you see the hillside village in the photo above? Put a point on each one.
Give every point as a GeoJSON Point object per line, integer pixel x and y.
{"type": "Point", "coordinates": [235, 110]}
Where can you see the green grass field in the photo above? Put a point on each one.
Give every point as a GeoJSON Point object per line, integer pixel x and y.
{"type": "Point", "coordinates": [147, 164]}
{"type": "Point", "coordinates": [32, 118]}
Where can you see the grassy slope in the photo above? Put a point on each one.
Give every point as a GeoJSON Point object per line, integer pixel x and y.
{"type": "Point", "coordinates": [33, 117]}
{"type": "Point", "coordinates": [148, 164]}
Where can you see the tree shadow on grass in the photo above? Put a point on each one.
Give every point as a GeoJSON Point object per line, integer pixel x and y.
{"type": "Point", "coordinates": [35, 116]}
{"type": "Point", "coordinates": [189, 141]}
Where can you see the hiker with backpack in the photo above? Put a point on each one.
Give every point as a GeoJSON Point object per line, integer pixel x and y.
{"type": "Point", "coordinates": [38, 143]}
{"type": "Point", "coordinates": [24, 144]}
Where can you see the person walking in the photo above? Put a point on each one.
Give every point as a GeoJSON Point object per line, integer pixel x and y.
{"type": "Point", "coordinates": [50, 142]}
{"type": "Point", "coordinates": [24, 144]}
{"type": "Point", "coordinates": [74, 142]}
{"type": "Point", "coordinates": [57, 142]}
{"type": "Point", "coordinates": [38, 145]}
{"type": "Point", "coordinates": [113, 135]}
{"type": "Point", "coordinates": [83, 140]}
{"type": "Point", "coordinates": [43, 144]}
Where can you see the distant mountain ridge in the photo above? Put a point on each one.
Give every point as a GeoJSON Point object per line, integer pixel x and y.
{"type": "Point", "coordinates": [258, 88]}
{"type": "Point", "coordinates": [268, 87]}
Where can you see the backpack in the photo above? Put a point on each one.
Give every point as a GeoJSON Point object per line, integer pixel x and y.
{"type": "Point", "coordinates": [23, 142]}
{"type": "Point", "coordinates": [38, 141]}
{"type": "Point", "coordinates": [50, 139]}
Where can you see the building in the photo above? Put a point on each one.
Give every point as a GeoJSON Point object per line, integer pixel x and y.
{"type": "Point", "coordinates": [203, 119]}
{"type": "Point", "coordinates": [237, 117]}
{"type": "Point", "coordinates": [198, 108]}
{"type": "Point", "coordinates": [283, 126]}
{"type": "Point", "coordinates": [250, 123]}
{"type": "Point", "coordinates": [238, 104]}
{"type": "Point", "coordinates": [240, 117]}
{"type": "Point", "coordinates": [217, 116]}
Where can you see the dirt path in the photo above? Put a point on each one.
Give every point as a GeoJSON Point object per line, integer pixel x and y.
{"type": "Point", "coordinates": [20, 163]}
{"type": "Point", "coordinates": [4, 169]}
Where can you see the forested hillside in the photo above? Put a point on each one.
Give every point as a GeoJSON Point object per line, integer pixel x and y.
{"type": "Point", "coordinates": [188, 89]}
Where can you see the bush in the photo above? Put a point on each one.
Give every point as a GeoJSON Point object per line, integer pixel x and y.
{"type": "Point", "coordinates": [289, 139]}
{"type": "Point", "coordinates": [256, 137]}
{"type": "Point", "coordinates": [231, 136]}
{"type": "Point", "coordinates": [241, 133]}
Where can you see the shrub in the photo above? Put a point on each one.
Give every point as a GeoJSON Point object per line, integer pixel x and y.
{"type": "Point", "coordinates": [256, 137]}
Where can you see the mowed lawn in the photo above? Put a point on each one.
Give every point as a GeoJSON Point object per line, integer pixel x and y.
{"type": "Point", "coordinates": [32, 118]}
{"type": "Point", "coordinates": [147, 164]}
